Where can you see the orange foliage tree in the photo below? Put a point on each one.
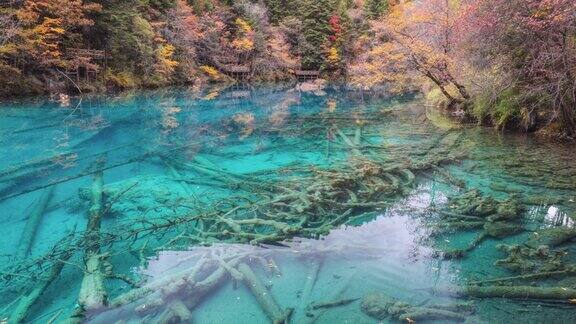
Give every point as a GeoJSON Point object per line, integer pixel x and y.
{"type": "Point", "coordinates": [48, 24]}
{"type": "Point", "coordinates": [415, 37]}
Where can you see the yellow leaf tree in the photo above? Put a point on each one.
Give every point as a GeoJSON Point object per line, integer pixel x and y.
{"type": "Point", "coordinates": [416, 37]}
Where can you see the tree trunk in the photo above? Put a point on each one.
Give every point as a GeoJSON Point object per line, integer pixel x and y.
{"type": "Point", "coordinates": [516, 292]}
{"type": "Point", "coordinates": [26, 302]}
{"type": "Point", "coordinates": [29, 233]}
{"type": "Point", "coordinates": [92, 292]}
{"type": "Point", "coordinates": [268, 304]}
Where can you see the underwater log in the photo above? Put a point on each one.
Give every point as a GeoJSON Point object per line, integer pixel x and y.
{"type": "Point", "coordinates": [337, 303]}
{"type": "Point", "coordinates": [27, 238]}
{"type": "Point", "coordinates": [515, 292]}
{"type": "Point", "coordinates": [350, 143]}
{"type": "Point", "coordinates": [381, 306]}
{"type": "Point", "coordinates": [311, 279]}
{"type": "Point", "coordinates": [269, 305]}
{"type": "Point", "coordinates": [357, 135]}
{"type": "Point", "coordinates": [428, 314]}
{"type": "Point", "coordinates": [26, 302]}
{"type": "Point", "coordinates": [175, 174]}
{"type": "Point", "coordinates": [553, 236]}
{"type": "Point", "coordinates": [539, 275]}
{"type": "Point", "coordinates": [155, 286]}
{"type": "Point", "coordinates": [175, 312]}
{"type": "Point", "coordinates": [182, 286]}
{"type": "Point", "coordinates": [92, 291]}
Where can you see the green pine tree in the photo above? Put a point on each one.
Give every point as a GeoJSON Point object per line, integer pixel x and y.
{"type": "Point", "coordinates": [280, 9]}
{"type": "Point", "coordinates": [315, 16]}
{"type": "Point", "coordinates": [375, 8]}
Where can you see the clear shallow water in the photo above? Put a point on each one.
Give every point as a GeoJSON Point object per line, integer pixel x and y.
{"type": "Point", "coordinates": [168, 156]}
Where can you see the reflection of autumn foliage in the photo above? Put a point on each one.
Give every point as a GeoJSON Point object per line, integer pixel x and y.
{"type": "Point", "coordinates": [64, 100]}
{"type": "Point", "coordinates": [211, 95]}
{"type": "Point", "coordinates": [281, 111]}
{"type": "Point", "coordinates": [503, 61]}
{"type": "Point", "coordinates": [169, 119]}
{"type": "Point", "coordinates": [331, 105]}
{"type": "Point", "coordinates": [95, 123]}
{"type": "Point", "coordinates": [246, 122]}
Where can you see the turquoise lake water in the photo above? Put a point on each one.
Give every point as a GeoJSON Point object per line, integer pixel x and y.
{"type": "Point", "coordinates": [255, 204]}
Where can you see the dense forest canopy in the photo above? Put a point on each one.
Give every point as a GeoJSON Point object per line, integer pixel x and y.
{"type": "Point", "coordinates": [509, 63]}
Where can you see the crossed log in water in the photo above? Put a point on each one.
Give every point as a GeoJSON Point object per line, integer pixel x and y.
{"type": "Point", "coordinates": [173, 296]}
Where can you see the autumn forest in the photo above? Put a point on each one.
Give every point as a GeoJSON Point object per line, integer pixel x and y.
{"type": "Point", "coordinates": [508, 64]}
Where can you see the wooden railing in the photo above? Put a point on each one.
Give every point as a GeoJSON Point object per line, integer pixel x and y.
{"type": "Point", "coordinates": [306, 75]}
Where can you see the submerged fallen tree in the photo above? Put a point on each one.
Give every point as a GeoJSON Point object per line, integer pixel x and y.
{"type": "Point", "coordinates": [259, 212]}
{"type": "Point", "coordinates": [92, 296]}
{"type": "Point", "coordinates": [28, 299]}
{"type": "Point", "coordinates": [382, 306]}
{"type": "Point", "coordinates": [473, 211]}
{"type": "Point", "coordinates": [32, 223]}
{"type": "Point", "coordinates": [513, 292]}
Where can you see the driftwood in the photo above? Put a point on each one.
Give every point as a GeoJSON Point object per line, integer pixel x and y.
{"type": "Point", "coordinates": [268, 304]}
{"type": "Point", "coordinates": [29, 233]}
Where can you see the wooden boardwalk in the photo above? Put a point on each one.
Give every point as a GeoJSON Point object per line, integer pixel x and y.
{"type": "Point", "coordinates": [238, 72]}
{"type": "Point", "coordinates": [306, 75]}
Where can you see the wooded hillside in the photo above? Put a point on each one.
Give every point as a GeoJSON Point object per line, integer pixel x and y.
{"type": "Point", "coordinates": [508, 63]}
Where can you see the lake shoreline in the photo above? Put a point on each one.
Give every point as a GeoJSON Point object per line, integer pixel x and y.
{"type": "Point", "coordinates": [544, 135]}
